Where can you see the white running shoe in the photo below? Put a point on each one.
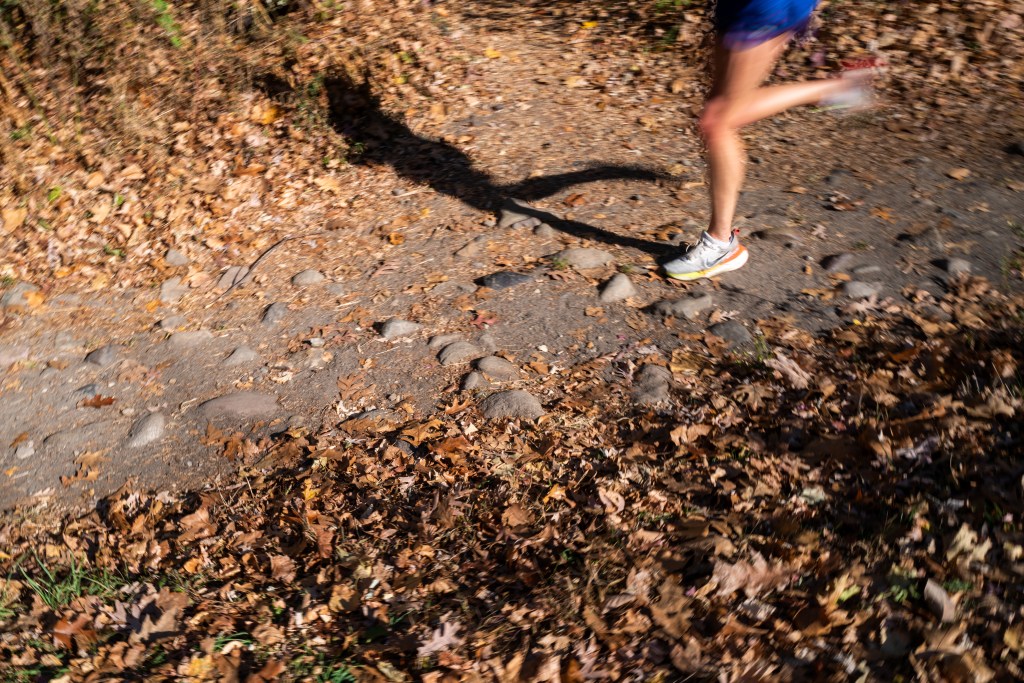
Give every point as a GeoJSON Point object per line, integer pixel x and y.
{"type": "Point", "coordinates": [708, 258]}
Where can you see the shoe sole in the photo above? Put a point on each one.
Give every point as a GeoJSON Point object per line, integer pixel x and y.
{"type": "Point", "coordinates": [734, 262]}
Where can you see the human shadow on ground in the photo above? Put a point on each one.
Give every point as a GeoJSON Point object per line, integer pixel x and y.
{"type": "Point", "coordinates": [382, 139]}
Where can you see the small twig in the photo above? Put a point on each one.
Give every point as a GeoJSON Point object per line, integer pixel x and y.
{"type": "Point", "coordinates": [266, 252]}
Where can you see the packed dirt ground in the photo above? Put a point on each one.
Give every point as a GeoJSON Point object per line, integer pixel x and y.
{"type": "Point", "coordinates": [351, 359]}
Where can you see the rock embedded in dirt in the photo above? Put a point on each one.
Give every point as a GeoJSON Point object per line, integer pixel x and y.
{"type": "Point", "coordinates": [619, 287]}
{"type": "Point", "coordinates": [439, 341]}
{"type": "Point", "coordinates": [545, 231]}
{"type": "Point", "coordinates": [175, 258]}
{"type": "Point", "coordinates": [688, 307]}
{"type": "Point", "coordinates": [241, 355]}
{"type": "Point", "coordinates": [515, 213]}
{"type": "Point", "coordinates": [103, 356]}
{"type": "Point", "coordinates": [958, 266]}
{"type": "Point", "coordinates": [474, 380]}
{"type": "Point", "coordinates": [232, 276]}
{"type": "Point", "coordinates": [275, 313]}
{"type": "Point", "coordinates": [185, 340]}
{"type": "Point", "coordinates": [172, 322]}
{"type": "Point", "coordinates": [473, 247]}
{"type": "Point", "coordinates": [243, 404]}
{"type": "Point", "coordinates": [504, 279]}
{"type": "Point", "coordinates": [459, 352]}
{"type": "Point", "coordinates": [15, 296]}
{"type": "Point", "coordinates": [584, 258]}
{"type": "Point", "coordinates": [837, 262]}
{"type": "Point", "coordinates": [855, 289]}
{"type": "Point", "coordinates": [9, 355]}
{"type": "Point", "coordinates": [651, 385]}
{"type": "Point", "coordinates": [497, 368]}
{"type": "Point", "coordinates": [511, 404]}
{"type": "Point", "coordinates": [487, 342]}
{"type": "Point", "coordinates": [337, 289]}
{"type": "Point", "coordinates": [86, 391]}
{"type": "Point", "coordinates": [861, 271]}
{"type": "Point", "coordinates": [733, 332]}
{"type": "Point", "coordinates": [147, 430]}
{"type": "Point", "coordinates": [171, 290]}
{"type": "Point", "coordinates": [25, 450]}
{"type": "Point", "coordinates": [395, 328]}
{"type": "Point", "coordinates": [308, 278]}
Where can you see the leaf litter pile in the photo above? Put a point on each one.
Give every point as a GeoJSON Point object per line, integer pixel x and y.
{"type": "Point", "coordinates": [845, 506]}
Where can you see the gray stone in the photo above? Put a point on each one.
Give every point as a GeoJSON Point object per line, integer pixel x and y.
{"type": "Point", "coordinates": [837, 262]}
{"type": "Point", "coordinates": [855, 289]}
{"type": "Point", "coordinates": [175, 258]}
{"type": "Point", "coordinates": [459, 352]}
{"type": "Point", "coordinates": [172, 322]}
{"type": "Point", "coordinates": [958, 266]}
{"type": "Point", "coordinates": [733, 332]}
{"type": "Point", "coordinates": [584, 257]}
{"type": "Point", "coordinates": [241, 355]}
{"type": "Point", "coordinates": [651, 385]}
{"type": "Point", "coordinates": [473, 247]}
{"type": "Point", "coordinates": [545, 231]}
{"type": "Point", "coordinates": [86, 391]}
{"type": "Point", "coordinates": [337, 289]}
{"type": "Point", "coordinates": [232, 276]}
{"type": "Point", "coordinates": [688, 307]}
{"type": "Point", "coordinates": [395, 328]}
{"type": "Point", "coordinates": [9, 355]}
{"type": "Point", "coordinates": [487, 342]}
{"type": "Point", "coordinates": [147, 430]}
{"type": "Point", "coordinates": [861, 271]}
{"type": "Point", "coordinates": [511, 404]}
{"type": "Point", "coordinates": [243, 404]}
{"type": "Point", "coordinates": [474, 380]}
{"type": "Point", "coordinates": [15, 296]}
{"type": "Point", "coordinates": [103, 356]}
{"type": "Point", "coordinates": [452, 287]}
{"type": "Point", "coordinates": [275, 313]}
{"type": "Point", "coordinates": [172, 290]}
{"type": "Point", "coordinates": [439, 341]}
{"type": "Point", "coordinates": [497, 368]}
{"type": "Point", "coordinates": [514, 213]}
{"type": "Point", "coordinates": [619, 287]}
{"type": "Point", "coordinates": [504, 279]}
{"type": "Point", "coordinates": [184, 340]}
{"type": "Point", "coordinates": [25, 450]}
{"type": "Point", "coordinates": [307, 278]}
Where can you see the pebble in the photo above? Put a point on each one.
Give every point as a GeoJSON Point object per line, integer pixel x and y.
{"type": "Point", "coordinates": [452, 287]}
{"type": "Point", "coordinates": [15, 296]}
{"type": "Point", "coordinates": [473, 247]}
{"type": "Point", "coordinates": [855, 289]}
{"type": "Point", "coordinates": [786, 238]}
{"type": "Point", "coordinates": [515, 213]}
{"type": "Point", "coordinates": [511, 404]}
{"type": "Point", "coordinates": [103, 356]}
{"type": "Point", "coordinates": [175, 258]}
{"type": "Point", "coordinates": [837, 262]}
{"type": "Point", "coordinates": [395, 328]}
{"type": "Point", "coordinates": [958, 266]}
{"type": "Point", "coordinates": [545, 231]}
{"type": "Point", "coordinates": [619, 287]}
{"type": "Point", "coordinates": [584, 257]}
{"type": "Point", "coordinates": [651, 384]}
{"type": "Point", "coordinates": [688, 307]}
{"type": "Point", "coordinates": [307, 278]}
{"type": "Point", "coordinates": [275, 313]}
{"type": "Point", "coordinates": [861, 271]}
{"type": "Point", "coordinates": [504, 279]}
{"type": "Point", "coordinates": [242, 354]}
{"type": "Point", "coordinates": [172, 322]}
{"type": "Point", "coordinates": [25, 450]}
{"type": "Point", "coordinates": [439, 341]}
{"type": "Point", "coordinates": [487, 342]}
{"type": "Point", "coordinates": [147, 430]}
{"type": "Point", "coordinates": [86, 391]}
{"type": "Point", "coordinates": [459, 352]}
{"type": "Point", "coordinates": [474, 380]}
{"type": "Point", "coordinates": [232, 276]}
{"type": "Point", "coordinates": [184, 340]}
{"type": "Point", "coordinates": [733, 332]}
{"type": "Point", "coordinates": [497, 368]}
{"type": "Point", "coordinates": [172, 290]}
{"type": "Point", "coordinates": [9, 355]}
{"type": "Point", "coordinates": [337, 289]}
{"type": "Point", "coordinates": [242, 404]}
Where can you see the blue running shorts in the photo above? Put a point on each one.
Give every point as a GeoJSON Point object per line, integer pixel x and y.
{"type": "Point", "coordinates": [746, 23]}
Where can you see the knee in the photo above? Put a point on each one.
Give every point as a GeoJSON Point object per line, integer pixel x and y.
{"type": "Point", "coordinates": [715, 121]}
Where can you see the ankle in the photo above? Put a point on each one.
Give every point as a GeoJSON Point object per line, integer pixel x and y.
{"type": "Point", "coordinates": [720, 234]}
